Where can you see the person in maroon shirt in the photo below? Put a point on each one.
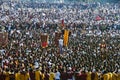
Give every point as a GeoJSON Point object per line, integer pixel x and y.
{"type": "Point", "coordinates": [46, 76]}
{"type": "Point", "coordinates": [92, 76]}
{"type": "Point", "coordinates": [32, 74]}
{"type": "Point", "coordinates": [83, 76]}
{"type": "Point", "coordinates": [63, 75]}
{"type": "Point", "coordinates": [2, 75]}
{"type": "Point", "coordinates": [77, 76]}
{"type": "Point", "coordinates": [70, 74]}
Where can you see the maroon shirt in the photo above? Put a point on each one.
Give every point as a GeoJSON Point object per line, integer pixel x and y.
{"type": "Point", "coordinates": [92, 76]}
{"type": "Point", "coordinates": [70, 75]}
{"type": "Point", "coordinates": [32, 75]}
{"type": "Point", "coordinates": [63, 76]}
{"type": "Point", "coordinates": [46, 77]}
{"type": "Point", "coordinates": [2, 76]}
{"type": "Point", "coordinates": [77, 76]}
{"type": "Point", "coordinates": [83, 77]}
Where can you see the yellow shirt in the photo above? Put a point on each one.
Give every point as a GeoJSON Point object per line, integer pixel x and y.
{"type": "Point", "coordinates": [27, 76]}
{"type": "Point", "coordinates": [106, 77]}
{"type": "Point", "coordinates": [42, 76]}
{"type": "Point", "coordinates": [88, 75]}
{"type": "Point", "coordinates": [52, 76]}
{"type": "Point", "coordinates": [114, 76]}
{"type": "Point", "coordinates": [24, 76]}
{"type": "Point", "coordinates": [17, 76]}
{"type": "Point", "coordinates": [110, 76]}
{"type": "Point", "coordinates": [96, 76]}
{"type": "Point", "coordinates": [118, 78]}
{"type": "Point", "coordinates": [7, 76]}
{"type": "Point", "coordinates": [37, 75]}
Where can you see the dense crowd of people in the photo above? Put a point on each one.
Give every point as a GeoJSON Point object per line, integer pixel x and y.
{"type": "Point", "coordinates": [93, 51]}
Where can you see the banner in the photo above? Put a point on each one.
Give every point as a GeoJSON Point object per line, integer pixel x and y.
{"type": "Point", "coordinates": [66, 37]}
{"type": "Point", "coordinates": [44, 40]}
{"type": "Point", "coordinates": [57, 37]}
{"type": "Point", "coordinates": [3, 39]}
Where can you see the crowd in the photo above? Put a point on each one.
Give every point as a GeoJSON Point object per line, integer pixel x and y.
{"type": "Point", "coordinates": [93, 51]}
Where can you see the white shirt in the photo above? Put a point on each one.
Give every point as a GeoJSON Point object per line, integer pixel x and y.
{"type": "Point", "coordinates": [57, 75]}
{"type": "Point", "coordinates": [61, 42]}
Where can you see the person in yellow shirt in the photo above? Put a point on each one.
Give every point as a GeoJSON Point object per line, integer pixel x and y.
{"type": "Point", "coordinates": [42, 75]}
{"type": "Point", "coordinates": [96, 76]}
{"type": "Point", "coordinates": [114, 76]}
{"type": "Point", "coordinates": [17, 75]}
{"type": "Point", "coordinates": [52, 75]}
{"type": "Point", "coordinates": [110, 75]}
{"type": "Point", "coordinates": [88, 75]}
{"type": "Point", "coordinates": [24, 75]}
{"type": "Point", "coordinates": [118, 77]}
{"type": "Point", "coordinates": [37, 74]}
{"type": "Point", "coordinates": [7, 75]}
{"type": "Point", "coordinates": [27, 77]}
{"type": "Point", "coordinates": [106, 76]}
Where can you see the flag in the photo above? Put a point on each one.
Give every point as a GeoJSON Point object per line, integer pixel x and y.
{"type": "Point", "coordinates": [62, 23]}
{"type": "Point", "coordinates": [44, 40]}
{"type": "Point", "coordinates": [60, 49]}
{"type": "Point", "coordinates": [57, 37]}
{"type": "Point", "coordinates": [3, 39]}
{"type": "Point", "coordinates": [60, 46]}
{"type": "Point", "coordinates": [66, 36]}
{"type": "Point", "coordinates": [98, 18]}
